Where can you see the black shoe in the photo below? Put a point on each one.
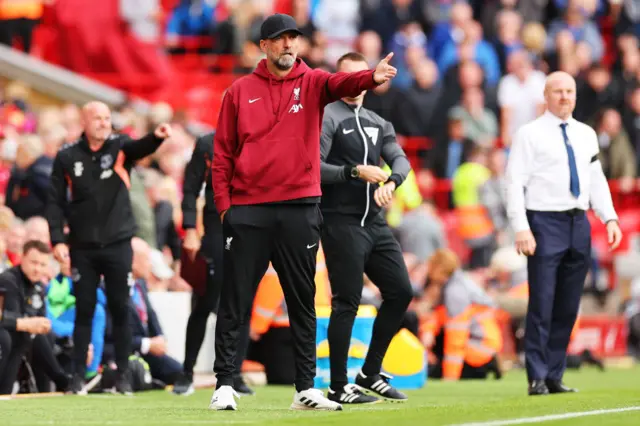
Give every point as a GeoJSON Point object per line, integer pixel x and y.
{"type": "Point", "coordinates": [184, 385]}
{"type": "Point", "coordinates": [351, 394]}
{"type": "Point", "coordinates": [538, 387]}
{"type": "Point", "coordinates": [556, 386]}
{"type": "Point", "coordinates": [241, 387]}
{"type": "Point", "coordinates": [589, 358]}
{"type": "Point", "coordinates": [123, 385]}
{"type": "Point", "coordinates": [494, 367]}
{"type": "Point", "coordinates": [77, 386]}
{"type": "Point", "coordinates": [379, 386]}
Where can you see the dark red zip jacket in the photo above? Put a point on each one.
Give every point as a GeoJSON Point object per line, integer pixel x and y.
{"type": "Point", "coordinates": [267, 143]}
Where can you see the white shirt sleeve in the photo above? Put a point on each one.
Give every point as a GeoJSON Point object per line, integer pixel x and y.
{"type": "Point", "coordinates": [599, 192]}
{"type": "Point", "coordinates": [517, 175]}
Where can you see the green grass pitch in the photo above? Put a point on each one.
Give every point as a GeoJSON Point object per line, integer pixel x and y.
{"type": "Point", "coordinates": [487, 403]}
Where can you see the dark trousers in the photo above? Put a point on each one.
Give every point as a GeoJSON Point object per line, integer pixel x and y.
{"type": "Point", "coordinates": [274, 351]}
{"type": "Point", "coordinates": [351, 250]}
{"type": "Point", "coordinates": [557, 272]}
{"type": "Point", "coordinates": [287, 235]}
{"type": "Point", "coordinates": [16, 346]}
{"type": "Point", "coordinates": [21, 28]}
{"type": "Point", "coordinates": [88, 264]}
{"type": "Point", "coordinates": [203, 306]}
{"type": "Point", "coordinates": [163, 368]}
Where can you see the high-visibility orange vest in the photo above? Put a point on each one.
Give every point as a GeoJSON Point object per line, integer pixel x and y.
{"type": "Point", "coordinates": [269, 308]}
{"type": "Point", "coordinates": [474, 222]}
{"type": "Point", "coordinates": [459, 346]}
{"type": "Point", "coordinates": [15, 9]}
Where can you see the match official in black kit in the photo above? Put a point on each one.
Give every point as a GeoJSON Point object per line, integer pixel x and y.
{"type": "Point", "coordinates": [197, 173]}
{"type": "Point", "coordinates": [89, 192]}
{"type": "Point", "coordinates": [356, 238]}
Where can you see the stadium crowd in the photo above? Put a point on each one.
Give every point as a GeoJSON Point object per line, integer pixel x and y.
{"type": "Point", "coordinates": [470, 73]}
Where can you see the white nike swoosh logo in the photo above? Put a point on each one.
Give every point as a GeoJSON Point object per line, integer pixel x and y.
{"type": "Point", "coordinates": [312, 245]}
{"type": "Point", "coordinates": [346, 132]}
{"type": "Point", "coordinates": [254, 100]}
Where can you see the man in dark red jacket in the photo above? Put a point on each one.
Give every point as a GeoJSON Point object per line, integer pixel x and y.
{"type": "Point", "coordinates": [266, 178]}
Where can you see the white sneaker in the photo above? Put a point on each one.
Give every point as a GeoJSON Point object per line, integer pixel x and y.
{"type": "Point", "coordinates": [313, 399]}
{"type": "Point", "coordinates": [224, 399]}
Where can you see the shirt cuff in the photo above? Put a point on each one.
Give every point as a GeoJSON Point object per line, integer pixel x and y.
{"type": "Point", "coordinates": [521, 224]}
{"type": "Point", "coordinates": [145, 345]}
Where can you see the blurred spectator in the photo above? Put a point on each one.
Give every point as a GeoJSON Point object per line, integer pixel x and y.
{"type": "Point", "coordinates": [409, 36]}
{"type": "Point", "coordinates": [421, 232]}
{"type": "Point", "coordinates": [36, 228]}
{"type": "Point", "coordinates": [453, 31]}
{"type": "Point", "coordinates": [473, 47]}
{"type": "Point", "coordinates": [14, 240]}
{"type": "Point", "coordinates": [599, 90]}
{"type": "Point", "coordinates": [413, 113]}
{"type": "Point", "coordinates": [370, 45]}
{"type": "Point", "coordinates": [529, 10]}
{"type": "Point", "coordinates": [338, 20]}
{"type": "Point", "coordinates": [493, 197]}
{"type": "Point", "coordinates": [452, 151]}
{"type": "Point", "coordinates": [27, 188]}
{"type": "Point", "coordinates": [474, 223]}
{"type": "Point", "coordinates": [631, 119]}
{"type": "Point", "coordinates": [576, 22]}
{"type": "Point", "coordinates": [616, 153]}
{"type": "Point", "coordinates": [480, 123]}
{"type": "Point", "coordinates": [520, 95]}
{"type": "Point", "coordinates": [166, 234]}
{"type": "Point", "coordinates": [508, 39]}
{"type": "Point", "coordinates": [190, 18]}
{"type": "Point", "coordinates": [385, 16]}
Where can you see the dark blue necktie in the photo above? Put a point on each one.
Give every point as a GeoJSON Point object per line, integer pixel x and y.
{"type": "Point", "coordinates": [574, 184]}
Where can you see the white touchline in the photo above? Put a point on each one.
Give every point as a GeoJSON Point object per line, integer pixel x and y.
{"type": "Point", "coordinates": [550, 417]}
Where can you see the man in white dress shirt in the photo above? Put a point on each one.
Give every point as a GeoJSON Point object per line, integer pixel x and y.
{"type": "Point", "coordinates": [553, 175]}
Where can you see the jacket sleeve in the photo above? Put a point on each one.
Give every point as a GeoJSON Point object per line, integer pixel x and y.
{"type": "Point", "coordinates": [226, 143]}
{"type": "Point", "coordinates": [56, 202]}
{"type": "Point", "coordinates": [393, 155]}
{"type": "Point", "coordinates": [343, 84]}
{"type": "Point", "coordinates": [329, 173]}
{"type": "Point", "coordinates": [456, 332]}
{"type": "Point", "coordinates": [194, 175]}
{"type": "Point", "coordinates": [12, 310]}
{"type": "Point", "coordinates": [15, 179]}
{"type": "Point", "coordinates": [137, 149]}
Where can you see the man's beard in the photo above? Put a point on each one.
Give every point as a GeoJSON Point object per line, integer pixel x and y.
{"type": "Point", "coordinates": [285, 62]}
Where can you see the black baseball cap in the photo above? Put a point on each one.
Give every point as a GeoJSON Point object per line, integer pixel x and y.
{"type": "Point", "coordinates": [276, 25]}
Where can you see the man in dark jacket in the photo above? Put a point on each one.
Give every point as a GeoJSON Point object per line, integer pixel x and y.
{"type": "Point", "coordinates": [266, 177]}
{"type": "Point", "coordinates": [356, 238]}
{"type": "Point", "coordinates": [26, 192]}
{"type": "Point", "coordinates": [22, 315]}
{"type": "Point", "coordinates": [90, 191]}
{"type": "Point", "coordinates": [209, 248]}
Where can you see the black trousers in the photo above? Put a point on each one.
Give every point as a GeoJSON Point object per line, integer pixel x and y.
{"type": "Point", "coordinates": [287, 235]}
{"type": "Point", "coordinates": [21, 27]}
{"type": "Point", "coordinates": [203, 306]}
{"type": "Point", "coordinates": [14, 346]}
{"type": "Point", "coordinates": [557, 273]}
{"type": "Point", "coordinates": [274, 350]}
{"type": "Point", "coordinates": [351, 250]}
{"type": "Point", "coordinates": [113, 262]}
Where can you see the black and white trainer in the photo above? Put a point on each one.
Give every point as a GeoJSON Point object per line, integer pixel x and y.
{"type": "Point", "coordinates": [351, 394]}
{"type": "Point", "coordinates": [379, 386]}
